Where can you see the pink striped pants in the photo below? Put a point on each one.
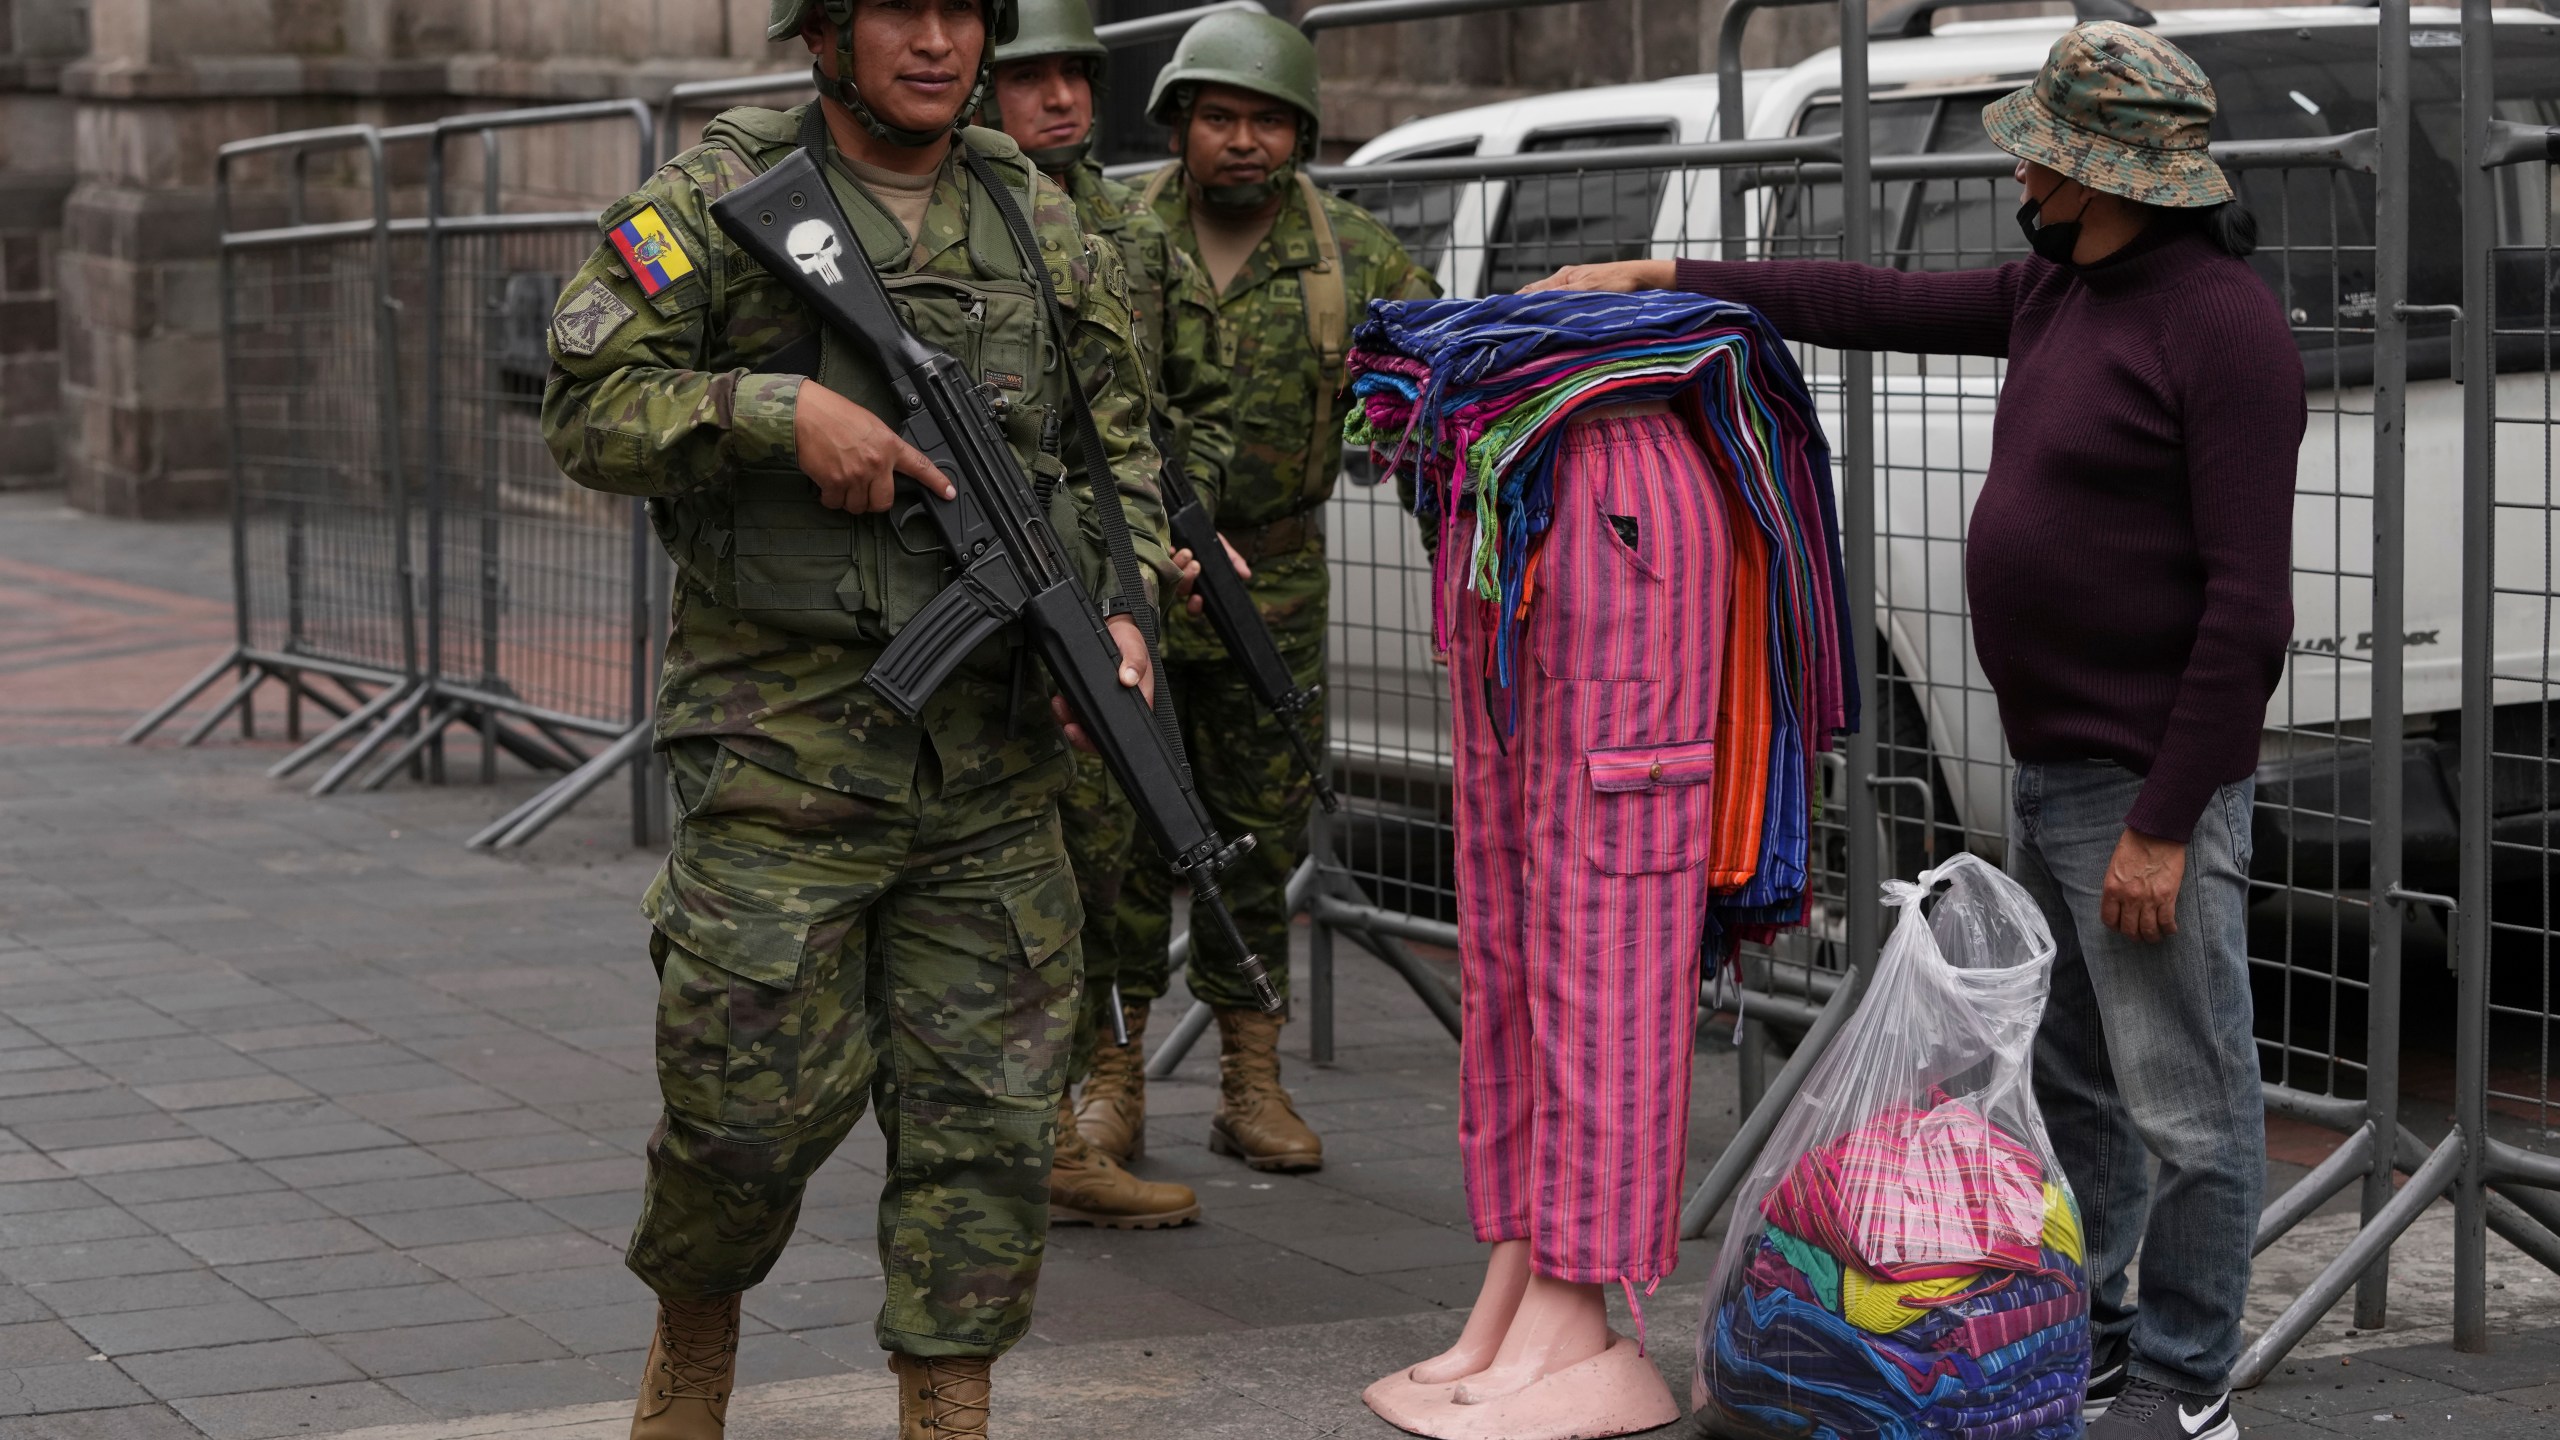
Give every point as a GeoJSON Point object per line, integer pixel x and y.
{"type": "Point", "coordinates": [1583, 841]}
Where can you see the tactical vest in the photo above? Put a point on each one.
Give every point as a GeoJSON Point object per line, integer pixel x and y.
{"type": "Point", "coordinates": [779, 556]}
{"type": "Point", "coordinates": [1327, 298]}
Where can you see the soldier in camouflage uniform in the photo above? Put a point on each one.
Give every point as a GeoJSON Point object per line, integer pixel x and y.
{"type": "Point", "coordinates": [1047, 80]}
{"type": "Point", "coordinates": [858, 909]}
{"type": "Point", "coordinates": [1292, 267]}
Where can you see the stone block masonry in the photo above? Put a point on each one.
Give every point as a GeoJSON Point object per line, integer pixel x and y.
{"type": "Point", "coordinates": [37, 39]}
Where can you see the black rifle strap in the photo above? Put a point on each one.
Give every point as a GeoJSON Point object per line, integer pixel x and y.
{"type": "Point", "coordinates": [1132, 596]}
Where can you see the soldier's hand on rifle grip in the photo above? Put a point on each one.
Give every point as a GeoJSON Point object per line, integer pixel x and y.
{"type": "Point", "coordinates": [1186, 580]}
{"type": "Point", "coordinates": [1137, 673]}
{"type": "Point", "coordinates": [854, 455]}
{"type": "Point", "coordinates": [1190, 564]}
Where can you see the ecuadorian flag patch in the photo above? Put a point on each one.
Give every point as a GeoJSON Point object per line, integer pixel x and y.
{"type": "Point", "coordinates": [650, 248]}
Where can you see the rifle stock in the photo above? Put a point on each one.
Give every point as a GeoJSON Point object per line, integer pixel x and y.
{"type": "Point", "coordinates": [1011, 563]}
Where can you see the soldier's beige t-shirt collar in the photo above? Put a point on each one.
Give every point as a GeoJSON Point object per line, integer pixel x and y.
{"type": "Point", "coordinates": [906, 197]}
{"type": "Point", "coordinates": [1226, 244]}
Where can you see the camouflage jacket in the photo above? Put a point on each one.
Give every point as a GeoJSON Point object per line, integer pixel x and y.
{"type": "Point", "coordinates": [677, 367]}
{"type": "Point", "coordinates": [1285, 404]}
{"type": "Point", "coordinates": [1179, 329]}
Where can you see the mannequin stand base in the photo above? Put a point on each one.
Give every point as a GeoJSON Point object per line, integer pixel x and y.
{"type": "Point", "coordinates": [1616, 1392]}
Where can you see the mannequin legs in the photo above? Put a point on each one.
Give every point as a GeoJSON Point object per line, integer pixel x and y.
{"type": "Point", "coordinates": [1559, 1325]}
{"type": "Point", "coordinates": [1505, 1277]}
{"type": "Point", "coordinates": [1537, 1361]}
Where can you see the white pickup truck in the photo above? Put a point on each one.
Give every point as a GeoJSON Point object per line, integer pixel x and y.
{"type": "Point", "coordinates": [2291, 72]}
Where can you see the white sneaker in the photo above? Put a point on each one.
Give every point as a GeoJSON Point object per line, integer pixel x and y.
{"type": "Point", "coordinates": [2149, 1410]}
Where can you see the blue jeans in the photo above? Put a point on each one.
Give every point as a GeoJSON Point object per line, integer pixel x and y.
{"type": "Point", "coordinates": [2146, 1055]}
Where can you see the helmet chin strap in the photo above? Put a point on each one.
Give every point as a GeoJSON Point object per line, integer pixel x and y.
{"type": "Point", "coordinates": [1253, 194]}
{"type": "Point", "coordinates": [1056, 159]}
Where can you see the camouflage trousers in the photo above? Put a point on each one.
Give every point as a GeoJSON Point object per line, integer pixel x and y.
{"type": "Point", "coordinates": [1252, 782]}
{"type": "Point", "coordinates": [1101, 828]}
{"type": "Point", "coordinates": [818, 952]}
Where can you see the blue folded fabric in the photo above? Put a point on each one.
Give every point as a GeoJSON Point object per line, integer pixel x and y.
{"type": "Point", "coordinates": [1789, 1368]}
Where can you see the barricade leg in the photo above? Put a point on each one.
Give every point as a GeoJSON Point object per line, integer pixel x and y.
{"type": "Point", "coordinates": [186, 694]}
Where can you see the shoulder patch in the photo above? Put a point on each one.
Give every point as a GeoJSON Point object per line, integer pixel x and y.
{"type": "Point", "coordinates": [649, 247]}
{"type": "Point", "coordinates": [589, 319]}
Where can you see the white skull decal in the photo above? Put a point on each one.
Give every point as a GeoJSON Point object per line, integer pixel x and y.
{"type": "Point", "coordinates": [813, 244]}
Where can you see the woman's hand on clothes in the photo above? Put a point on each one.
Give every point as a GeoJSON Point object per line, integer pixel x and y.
{"type": "Point", "coordinates": [1137, 673]}
{"type": "Point", "coordinates": [1618, 277]}
{"type": "Point", "coordinates": [2140, 901]}
{"type": "Point", "coordinates": [853, 455]}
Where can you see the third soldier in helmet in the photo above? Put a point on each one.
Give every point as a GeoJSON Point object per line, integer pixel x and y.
{"type": "Point", "coordinates": [1292, 268]}
{"type": "Point", "coordinates": [1047, 82]}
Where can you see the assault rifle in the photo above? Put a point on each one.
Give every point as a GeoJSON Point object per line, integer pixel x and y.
{"type": "Point", "coordinates": [1230, 610]}
{"type": "Point", "coordinates": [1011, 564]}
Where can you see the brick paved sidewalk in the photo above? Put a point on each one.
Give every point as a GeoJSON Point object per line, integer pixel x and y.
{"type": "Point", "coordinates": [312, 1122]}
{"type": "Point", "coordinates": [313, 1119]}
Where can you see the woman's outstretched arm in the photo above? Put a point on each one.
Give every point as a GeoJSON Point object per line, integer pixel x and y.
{"type": "Point", "coordinates": [1834, 303]}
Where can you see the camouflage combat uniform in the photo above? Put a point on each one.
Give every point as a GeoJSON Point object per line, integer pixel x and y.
{"type": "Point", "coordinates": [1288, 453]}
{"type": "Point", "coordinates": [858, 908]}
{"type": "Point", "coordinates": [1184, 341]}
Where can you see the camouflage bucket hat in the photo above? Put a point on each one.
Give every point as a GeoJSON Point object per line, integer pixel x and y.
{"type": "Point", "coordinates": [2119, 110]}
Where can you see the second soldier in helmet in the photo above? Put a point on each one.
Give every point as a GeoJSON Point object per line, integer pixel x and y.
{"type": "Point", "coordinates": [1047, 83]}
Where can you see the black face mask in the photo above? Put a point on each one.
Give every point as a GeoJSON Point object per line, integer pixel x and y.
{"type": "Point", "coordinates": [2053, 240]}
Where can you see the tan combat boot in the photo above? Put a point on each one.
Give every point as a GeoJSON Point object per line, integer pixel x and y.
{"type": "Point", "coordinates": [1087, 1187]}
{"type": "Point", "coordinates": [1255, 1121]}
{"type": "Point", "coordinates": [1112, 1112]}
{"type": "Point", "coordinates": [693, 1360]}
{"type": "Point", "coordinates": [942, 1397]}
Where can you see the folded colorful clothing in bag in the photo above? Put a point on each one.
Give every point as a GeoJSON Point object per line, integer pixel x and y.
{"type": "Point", "coordinates": [1919, 1195]}
{"type": "Point", "coordinates": [1794, 1368]}
{"type": "Point", "coordinates": [1917, 1276]}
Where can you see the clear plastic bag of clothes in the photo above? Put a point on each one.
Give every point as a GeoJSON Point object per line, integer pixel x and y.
{"type": "Point", "coordinates": [1905, 1259]}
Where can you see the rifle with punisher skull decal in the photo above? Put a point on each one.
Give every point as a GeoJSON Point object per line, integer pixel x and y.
{"type": "Point", "coordinates": [1011, 564]}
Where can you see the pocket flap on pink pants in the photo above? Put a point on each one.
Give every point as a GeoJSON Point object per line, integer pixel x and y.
{"type": "Point", "coordinates": [1652, 767]}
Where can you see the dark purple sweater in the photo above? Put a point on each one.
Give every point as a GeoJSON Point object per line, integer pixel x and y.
{"type": "Point", "coordinates": [2129, 562]}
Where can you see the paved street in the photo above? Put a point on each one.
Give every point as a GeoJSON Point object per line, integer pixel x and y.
{"type": "Point", "coordinates": [314, 1123]}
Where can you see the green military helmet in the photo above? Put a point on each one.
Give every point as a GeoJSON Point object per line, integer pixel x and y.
{"type": "Point", "coordinates": [1250, 51]}
{"type": "Point", "coordinates": [1003, 17]}
{"type": "Point", "coordinates": [1053, 27]}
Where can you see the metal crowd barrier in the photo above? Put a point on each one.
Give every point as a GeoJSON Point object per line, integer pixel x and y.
{"type": "Point", "coordinates": [547, 594]}
{"type": "Point", "coordinates": [321, 558]}
{"type": "Point", "coordinates": [406, 557]}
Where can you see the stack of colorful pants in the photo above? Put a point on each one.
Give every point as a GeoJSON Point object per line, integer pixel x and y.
{"type": "Point", "coordinates": [1920, 1276]}
{"type": "Point", "coordinates": [1639, 590]}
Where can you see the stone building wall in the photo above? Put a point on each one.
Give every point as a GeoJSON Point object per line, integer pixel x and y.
{"type": "Point", "coordinates": [165, 82]}
{"type": "Point", "coordinates": [37, 39]}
